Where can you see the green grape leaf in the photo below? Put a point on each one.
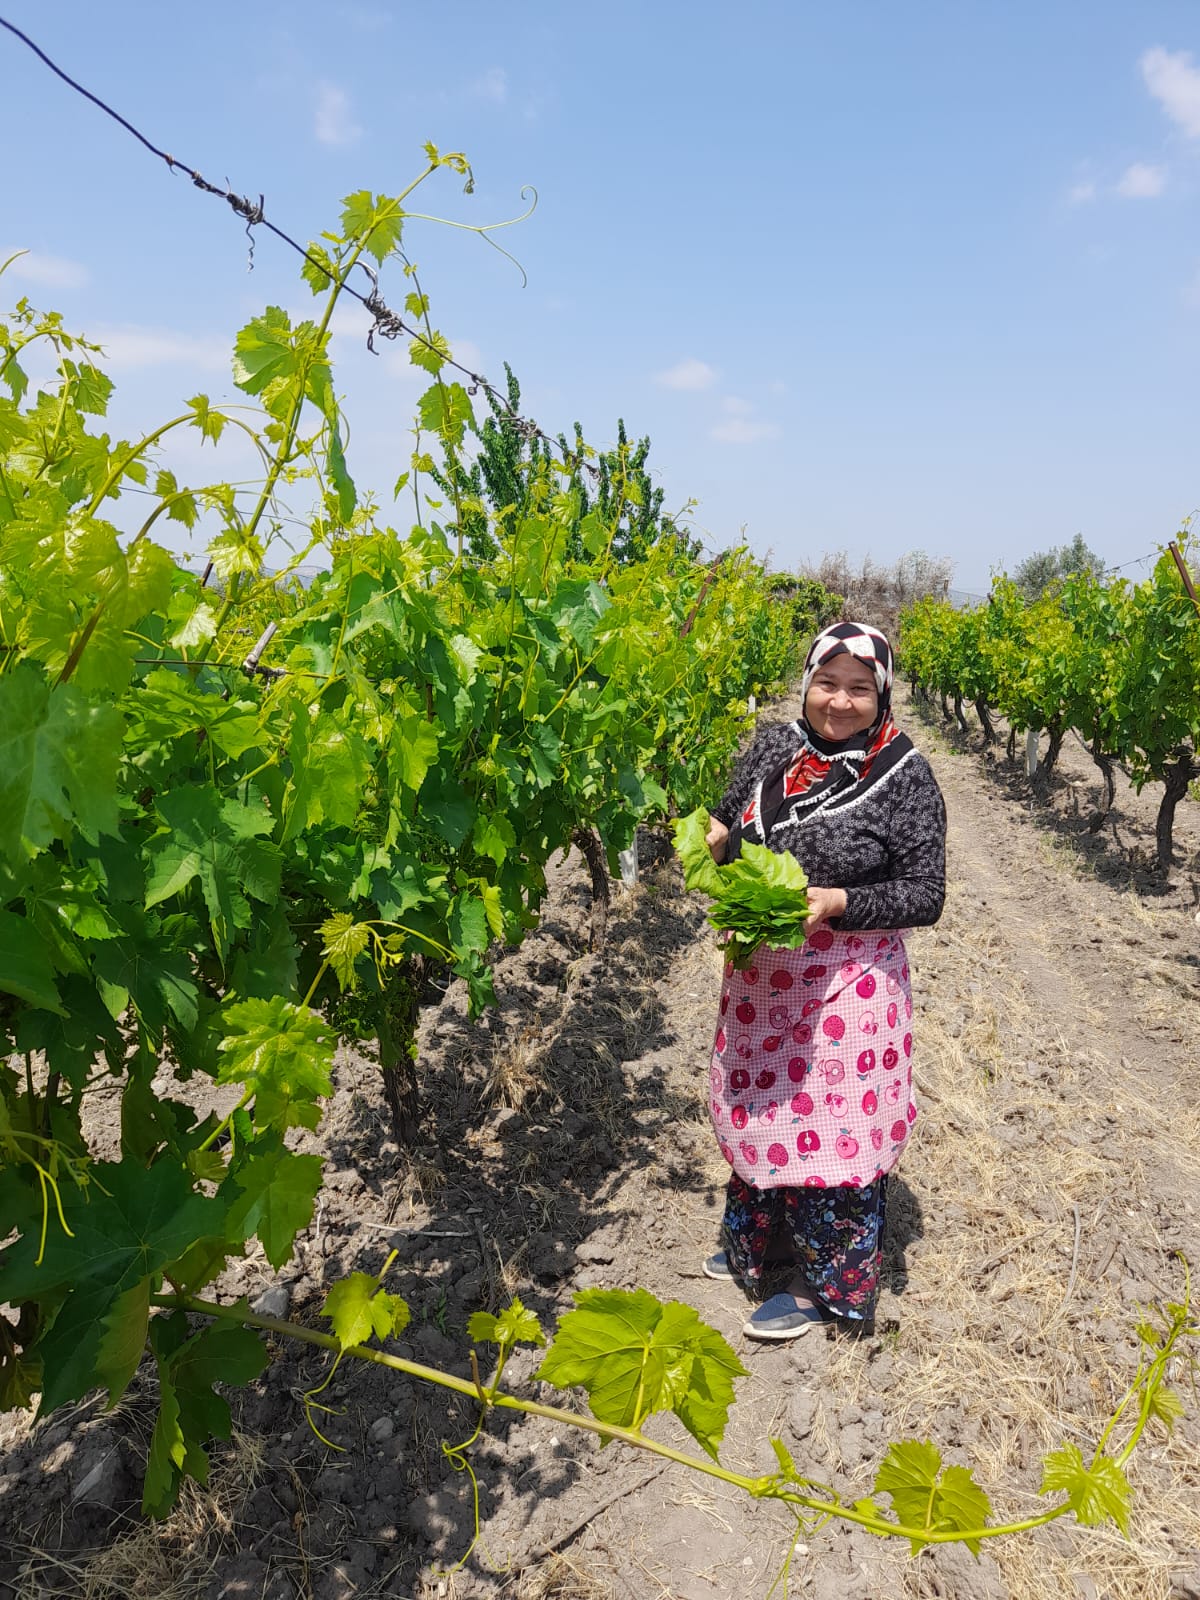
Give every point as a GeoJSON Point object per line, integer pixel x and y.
{"type": "Point", "coordinates": [217, 842]}
{"type": "Point", "coordinates": [210, 423]}
{"type": "Point", "coordinates": [277, 1192]}
{"type": "Point", "coordinates": [124, 1339]}
{"type": "Point", "coordinates": [181, 505]}
{"type": "Point", "coordinates": [199, 624]}
{"type": "Point", "coordinates": [126, 1227]}
{"type": "Point", "coordinates": [960, 1503]}
{"type": "Point", "coordinates": [20, 1377]}
{"type": "Point", "coordinates": [90, 388]}
{"type": "Point", "coordinates": [328, 771]}
{"type": "Point", "coordinates": [514, 1325]}
{"type": "Point", "coordinates": [445, 409]}
{"type": "Point", "coordinates": [494, 836]}
{"type": "Point", "coordinates": [1164, 1404]}
{"type": "Point", "coordinates": [908, 1472]}
{"type": "Point", "coordinates": [481, 988]}
{"type": "Point", "coordinates": [412, 750]}
{"type": "Point", "coordinates": [761, 898]}
{"type": "Point", "coordinates": [700, 871]}
{"type": "Point", "coordinates": [925, 1496]}
{"type": "Point", "coordinates": [1096, 1494]}
{"type": "Point", "coordinates": [145, 965]}
{"type": "Point", "coordinates": [377, 222]}
{"type": "Point", "coordinates": [636, 1355]}
{"type": "Point", "coordinates": [339, 476]}
{"type": "Point", "coordinates": [430, 352]}
{"type": "Point", "coordinates": [357, 1306]}
{"type": "Point", "coordinates": [468, 924]}
{"type": "Point", "coordinates": [342, 942]}
{"type": "Point", "coordinates": [166, 1456]}
{"type": "Point", "coordinates": [317, 270]}
{"type": "Point", "coordinates": [25, 968]}
{"type": "Point", "coordinates": [58, 763]}
{"type": "Point", "coordinates": [264, 351]}
{"type": "Point", "coordinates": [283, 1053]}
{"type": "Point", "coordinates": [190, 1411]}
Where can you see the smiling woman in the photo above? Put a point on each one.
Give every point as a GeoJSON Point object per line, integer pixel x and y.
{"type": "Point", "coordinates": [811, 1074]}
{"type": "Point", "coordinates": [842, 698]}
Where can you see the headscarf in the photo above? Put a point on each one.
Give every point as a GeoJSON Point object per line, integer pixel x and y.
{"type": "Point", "coordinates": [865, 644]}
{"type": "Point", "coordinates": [825, 775]}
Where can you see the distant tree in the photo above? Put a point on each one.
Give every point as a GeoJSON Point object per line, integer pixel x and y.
{"type": "Point", "coordinates": [813, 605]}
{"type": "Point", "coordinates": [515, 471]}
{"type": "Point", "coordinates": [1038, 571]}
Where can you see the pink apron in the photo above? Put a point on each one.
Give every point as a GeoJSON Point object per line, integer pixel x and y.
{"type": "Point", "coordinates": [811, 1079]}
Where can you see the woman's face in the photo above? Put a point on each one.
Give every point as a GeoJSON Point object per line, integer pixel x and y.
{"type": "Point", "coordinates": [842, 699]}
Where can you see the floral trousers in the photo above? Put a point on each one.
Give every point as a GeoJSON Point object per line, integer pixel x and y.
{"type": "Point", "coordinates": [836, 1234]}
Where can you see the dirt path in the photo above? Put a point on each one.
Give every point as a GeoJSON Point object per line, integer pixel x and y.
{"type": "Point", "coordinates": [1052, 1173]}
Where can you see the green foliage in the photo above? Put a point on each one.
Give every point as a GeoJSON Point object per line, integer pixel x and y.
{"type": "Point", "coordinates": [358, 1306]}
{"type": "Point", "coordinates": [1037, 572]}
{"type": "Point", "coordinates": [1096, 1494]}
{"type": "Point", "coordinates": [1118, 661]}
{"type": "Point", "coordinates": [514, 1325]}
{"type": "Point", "coordinates": [94, 1275]}
{"type": "Point", "coordinates": [190, 1411]}
{"type": "Point", "coordinates": [282, 1054]}
{"type": "Point", "coordinates": [759, 899]}
{"type": "Point", "coordinates": [635, 1356]}
{"type": "Point", "coordinates": [926, 1495]}
{"type": "Point", "coordinates": [218, 872]}
{"type": "Point", "coordinates": [605, 500]}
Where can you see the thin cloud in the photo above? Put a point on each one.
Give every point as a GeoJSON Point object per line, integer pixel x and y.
{"type": "Point", "coordinates": [1175, 84]}
{"type": "Point", "coordinates": [734, 406]}
{"type": "Point", "coordinates": [133, 346]}
{"type": "Point", "coordinates": [1142, 182]}
{"type": "Point", "coordinates": [48, 272]}
{"type": "Point", "coordinates": [491, 86]}
{"type": "Point", "coordinates": [334, 123]}
{"type": "Point", "coordinates": [690, 375]}
{"type": "Point", "coordinates": [365, 19]}
{"type": "Point", "coordinates": [1081, 194]}
{"type": "Point", "coordinates": [743, 430]}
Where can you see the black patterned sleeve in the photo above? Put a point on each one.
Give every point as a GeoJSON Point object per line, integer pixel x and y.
{"type": "Point", "coordinates": [769, 749]}
{"type": "Point", "coordinates": [913, 893]}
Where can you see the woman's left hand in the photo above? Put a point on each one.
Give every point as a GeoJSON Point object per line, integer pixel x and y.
{"type": "Point", "coordinates": [823, 904]}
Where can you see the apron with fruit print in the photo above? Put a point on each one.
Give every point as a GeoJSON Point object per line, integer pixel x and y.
{"type": "Point", "coordinates": [811, 1078]}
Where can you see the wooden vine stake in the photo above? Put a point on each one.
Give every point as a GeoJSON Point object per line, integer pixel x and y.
{"type": "Point", "coordinates": [1184, 573]}
{"type": "Point", "coordinates": [1179, 775]}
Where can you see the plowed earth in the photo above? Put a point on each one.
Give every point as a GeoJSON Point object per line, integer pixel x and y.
{"type": "Point", "coordinates": [1052, 1174]}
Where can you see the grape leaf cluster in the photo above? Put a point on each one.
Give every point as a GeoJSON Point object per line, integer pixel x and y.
{"type": "Point", "coordinates": [759, 899]}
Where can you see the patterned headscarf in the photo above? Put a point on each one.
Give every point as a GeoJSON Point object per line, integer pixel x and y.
{"type": "Point", "coordinates": [865, 644]}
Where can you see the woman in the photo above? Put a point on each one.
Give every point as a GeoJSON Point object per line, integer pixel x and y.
{"type": "Point", "coordinates": [811, 1070]}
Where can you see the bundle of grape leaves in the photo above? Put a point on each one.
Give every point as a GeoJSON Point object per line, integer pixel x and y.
{"type": "Point", "coordinates": [761, 898]}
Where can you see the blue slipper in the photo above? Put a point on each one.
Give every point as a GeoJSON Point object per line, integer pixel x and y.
{"type": "Point", "coordinates": [718, 1266]}
{"type": "Point", "coordinates": [783, 1316]}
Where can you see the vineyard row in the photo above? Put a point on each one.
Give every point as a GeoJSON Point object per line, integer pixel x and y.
{"type": "Point", "coordinates": [1117, 661]}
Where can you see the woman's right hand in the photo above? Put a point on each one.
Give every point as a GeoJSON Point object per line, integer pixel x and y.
{"type": "Point", "coordinates": [716, 839]}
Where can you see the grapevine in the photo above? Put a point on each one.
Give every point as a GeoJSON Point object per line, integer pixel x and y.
{"type": "Point", "coordinates": [1117, 661]}
{"type": "Point", "coordinates": [240, 823]}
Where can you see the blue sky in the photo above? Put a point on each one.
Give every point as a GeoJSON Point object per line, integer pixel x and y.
{"type": "Point", "coordinates": [873, 278]}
